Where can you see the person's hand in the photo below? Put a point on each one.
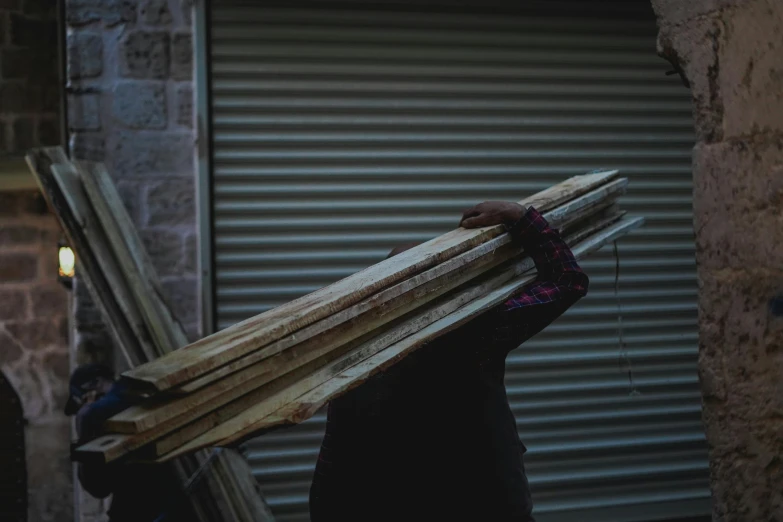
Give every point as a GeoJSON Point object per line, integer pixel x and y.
{"type": "Point", "coordinates": [492, 213]}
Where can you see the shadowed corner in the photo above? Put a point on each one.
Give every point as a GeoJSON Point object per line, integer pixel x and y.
{"type": "Point", "coordinates": [776, 306]}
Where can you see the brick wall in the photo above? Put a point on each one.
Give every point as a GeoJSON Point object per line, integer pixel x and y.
{"type": "Point", "coordinates": [130, 105]}
{"type": "Point", "coordinates": [731, 52]}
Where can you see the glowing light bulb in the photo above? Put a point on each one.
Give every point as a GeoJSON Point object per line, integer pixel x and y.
{"type": "Point", "coordinates": [67, 261]}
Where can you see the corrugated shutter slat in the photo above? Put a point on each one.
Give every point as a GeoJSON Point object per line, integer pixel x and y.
{"type": "Point", "coordinates": [341, 133]}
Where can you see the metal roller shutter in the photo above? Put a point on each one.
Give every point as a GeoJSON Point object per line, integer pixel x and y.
{"type": "Point", "coordinates": [339, 133]}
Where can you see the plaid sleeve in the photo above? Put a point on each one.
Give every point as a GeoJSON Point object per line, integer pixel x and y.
{"type": "Point", "coordinates": [559, 275]}
{"type": "Point", "coordinates": [560, 284]}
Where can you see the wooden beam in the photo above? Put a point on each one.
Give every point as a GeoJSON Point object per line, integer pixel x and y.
{"type": "Point", "coordinates": [223, 347]}
{"type": "Point", "coordinates": [89, 265]}
{"type": "Point", "coordinates": [320, 338]}
{"type": "Point", "coordinates": [129, 252]}
{"type": "Point", "coordinates": [330, 382]}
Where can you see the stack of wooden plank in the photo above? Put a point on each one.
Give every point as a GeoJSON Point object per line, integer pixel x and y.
{"type": "Point", "coordinates": [279, 367]}
{"type": "Point", "coordinates": [114, 265]}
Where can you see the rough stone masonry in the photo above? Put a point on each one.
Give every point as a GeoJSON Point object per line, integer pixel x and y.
{"type": "Point", "coordinates": [130, 105]}
{"type": "Point", "coordinates": [731, 52]}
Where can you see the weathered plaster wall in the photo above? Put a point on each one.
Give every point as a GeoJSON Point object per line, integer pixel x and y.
{"type": "Point", "coordinates": [731, 52]}
{"type": "Point", "coordinates": [130, 105]}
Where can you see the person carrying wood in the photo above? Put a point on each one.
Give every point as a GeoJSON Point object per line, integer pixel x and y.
{"type": "Point", "coordinates": [141, 492]}
{"type": "Point", "coordinates": [433, 437]}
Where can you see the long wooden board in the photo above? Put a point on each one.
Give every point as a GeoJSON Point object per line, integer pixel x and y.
{"type": "Point", "coordinates": [68, 179]}
{"type": "Point", "coordinates": [129, 251]}
{"type": "Point", "coordinates": [258, 417]}
{"type": "Point", "coordinates": [565, 216]}
{"type": "Point", "coordinates": [91, 270]}
{"type": "Point", "coordinates": [216, 490]}
{"type": "Point", "coordinates": [268, 398]}
{"type": "Point", "coordinates": [344, 326]}
{"type": "Point", "coordinates": [223, 347]}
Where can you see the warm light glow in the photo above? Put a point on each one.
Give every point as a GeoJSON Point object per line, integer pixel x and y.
{"type": "Point", "coordinates": [67, 262]}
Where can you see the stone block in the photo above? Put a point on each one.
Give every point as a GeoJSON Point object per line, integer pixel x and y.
{"type": "Point", "coordinates": [14, 305]}
{"type": "Point", "coordinates": [182, 56]}
{"type": "Point", "coordinates": [33, 203]}
{"type": "Point", "coordinates": [185, 106]}
{"type": "Point", "coordinates": [165, 247]}
{"type": "Point", "coordinates": [694, 49]}
{"type": "Point", "coordinates": [38, 334]}
{"type": "Point", "coordinates": [145, 54]}
{"type": "Point", "coordinates": [182, 295]}
{"type": "Point", "coordinates": [186, 8]}
{"type": "Point", "coordinates": [12, 351]}
{"type": "Point", "coordinates": [9, 204]}
{"type": "Point", "coordinates": [156, 12]}
{"type": "Point", "coordinates": [18, 267]}
{"type": "Point", "coordinates": [140, 105]}
{"type": "Point", "coordinates": [191, 256]}
{"type": "Point", "coordinates": [16, 96]}
{"type": "Point", "coordinates": [110, 12]}
{"type": "Point", "coordinates": [40, 8]}
{"type": "Point", "coordinates": [171, 203]}
{"type": "Point", "coordinates": [85, 55]}
{"type": "Point", "coordinates": [13, 235]}
{"type": "Point", "coordinates": [152, 154]}
{"type": "Point", "coordinates": [36, 65]}
{"type": "Point", "coordinates": [751, 69]}
{"type": "Point", "coordinates": [49, 132]}
{"type": "Point", "coordinates": [88, 147]}
{"type": "Point", "coordinates": [130, 192]}
{"type": "Point", "coordinates": [49, 300]}
{"type": "Point", "coordinates": [32, 32]}
{"type": "Point", "coordinates": [738, 204]}
{"type": "Point", "coordinates": [84, 112]}
{"type": "Point", "coordinates": [24, 134]}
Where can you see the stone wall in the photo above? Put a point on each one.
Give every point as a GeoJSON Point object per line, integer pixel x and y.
{"type": "Point", "coordinates": [33, 306]}
{"type": "Point", "coordinates": [731, 52]}
{"type": "Point", "coordinates": [29, 75]}
{"type": "Point", "coordinates": [34, 347]}
{"type": "Point", "coordinates": [130, 105]}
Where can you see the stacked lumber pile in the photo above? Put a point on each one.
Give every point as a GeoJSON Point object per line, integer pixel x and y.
{"type": "Point", "coordinates": [114, 265]}
{"type": "Point", "coordinates": [280, 367]}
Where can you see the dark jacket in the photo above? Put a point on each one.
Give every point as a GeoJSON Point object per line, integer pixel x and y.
{"type": "Point", "coordinates": [433, 437]}
{"type": "Point", "coordinates": [141, 492]}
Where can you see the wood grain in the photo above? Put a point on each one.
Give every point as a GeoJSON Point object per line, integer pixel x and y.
{"type": "Point", "coordinates": [129, 251]}
{"type": "Point", "coordinates": [89, 265]}
{"type": "Point", "coordinates": [374, 356]}
{"type": "Point", "coordinates": [223, 347]}
{"type": "Point", "coordinates": [335, 331]}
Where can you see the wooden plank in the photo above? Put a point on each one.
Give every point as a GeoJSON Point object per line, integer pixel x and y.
{"type": "Point", "coordinates": [140, 418]}
{"type": "Point", "coordinates": [129, 251]}
{"type": "Point", "coordinates": [350, 324]}
{"type": "Point", "coordinates": [91, 273]}
{"type": "Point", "coordinates": [309, 403]}
{"type": "Point", "coordinates": [90, 270]}
{"type": "Point", "coordinates": [68, 180]}
{"type": "Point", "coordinates": [245, 424]}
{"type": "Point", "coordinates": [223, 347]}
{"type": "Point", "coordinates": [565, 216]}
